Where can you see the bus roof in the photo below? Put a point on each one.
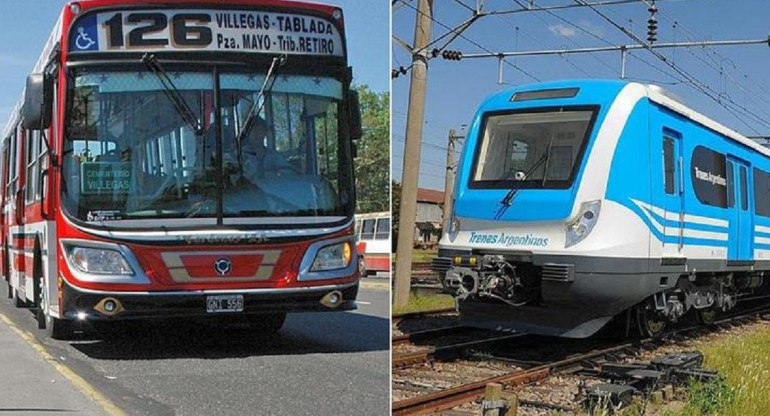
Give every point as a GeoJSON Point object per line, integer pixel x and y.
{"type": "Point", "coordinates": [66, 16]}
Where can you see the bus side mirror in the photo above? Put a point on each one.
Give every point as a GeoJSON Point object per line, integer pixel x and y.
{"type": "Point", "coordinates": [38, 102]}
{"type": "Point", "coordinates": [356, 129]}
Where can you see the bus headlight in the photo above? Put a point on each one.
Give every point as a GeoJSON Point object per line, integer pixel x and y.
{"type": "Point", "coordinates": [578, 228]}
{"type": "Point", "coordinates": [333, 257]}
{"type": "Point", "coordinates": [99, 261]}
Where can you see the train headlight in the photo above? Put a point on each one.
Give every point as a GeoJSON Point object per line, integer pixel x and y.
{"type": "Point", "coordinates": [579, 227]}
{"type": "Point", "coordinates": [333, 257]}
{"type": "Point", "coordinates": [99, 261]}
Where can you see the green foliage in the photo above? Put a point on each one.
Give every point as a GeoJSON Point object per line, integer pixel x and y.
{"type": "Point", "coordinates": [396, 208]}
{"type": "Point", "coordinates": [744, 361]}
{"type": "Point", "coordinates": [373, 162]}
{"type": "Point", "coordinates": [710, 398]}
{"type": "Point", "coordinates": [425, 303]}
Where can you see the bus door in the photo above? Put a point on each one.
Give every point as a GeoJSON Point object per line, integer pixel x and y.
{"type": "Point", "coordinates": [740, 240]}
{"type": "Point", "coordinates": [673, 194]}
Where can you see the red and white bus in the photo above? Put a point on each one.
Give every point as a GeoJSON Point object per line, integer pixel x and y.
{"type": "Point", "coordinates": [373, 236]}
{"type": "Point", "coordinates": [183, 158]}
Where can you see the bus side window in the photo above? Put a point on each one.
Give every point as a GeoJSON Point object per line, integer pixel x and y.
{"type": "Point", "coordinates": [383, 229]}
{"type": "Point", "coordinates": [367, 230]}
{"type": "Point", "coordinates": [32, 150]}
{"type": "Point", "coordinates": [13, 154]}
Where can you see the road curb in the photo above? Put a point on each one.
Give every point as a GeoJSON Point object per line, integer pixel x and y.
{"type": "Point", "coordinates": [79, 382]}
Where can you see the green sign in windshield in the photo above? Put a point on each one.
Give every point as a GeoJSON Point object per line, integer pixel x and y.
{"type": "Point", "coordinates": [105, 177]}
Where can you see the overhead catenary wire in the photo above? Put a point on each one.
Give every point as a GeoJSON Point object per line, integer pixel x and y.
{"type": "Point", "coordinates": [703, 88]}
{"type": "Point", "coordinates": [473, 42]}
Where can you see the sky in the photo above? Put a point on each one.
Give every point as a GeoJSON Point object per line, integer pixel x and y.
{"type": "Point", "coordinates": [455, 89]}
{"type": "Point", "coordinates": [25, 26]}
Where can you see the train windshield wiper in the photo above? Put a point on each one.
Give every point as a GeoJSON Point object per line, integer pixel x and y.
{"type": "Point", "coordinates": [259, 103]}
{"type": "Point", "coordinates": [173, 94]}
{"type": "Point", "coordinates": [507, 200]}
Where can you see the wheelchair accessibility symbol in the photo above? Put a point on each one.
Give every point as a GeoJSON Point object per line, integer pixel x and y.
{"type": "Point", "coordinates": [83, 40]}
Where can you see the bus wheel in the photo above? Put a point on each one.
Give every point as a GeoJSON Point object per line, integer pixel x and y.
{"type": "Point", "coordinates": [362, 267]}
{"type": "Point", "coordinates": [17, 302]}
{"type": "Point", "coordinates": [267, 324]}
{"type": "Point", "coordinates": [55, 328]}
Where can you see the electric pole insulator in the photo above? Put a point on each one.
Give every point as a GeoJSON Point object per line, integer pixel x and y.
{"type": "Point", "coordinates": [652, 24]}
{"type": "Point", "coordinates": [435, 52]}
{"type": "Point", "coordinates": [452, 55]}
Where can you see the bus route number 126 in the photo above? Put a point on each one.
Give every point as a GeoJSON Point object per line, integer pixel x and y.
{"type": "Point", "coordinates": [146, 29]}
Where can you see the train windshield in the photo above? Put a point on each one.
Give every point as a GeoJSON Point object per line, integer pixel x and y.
{"type": "Point", "coordinates": [531, 150]}
{"type": "Point", "coordinates": [132, 153]}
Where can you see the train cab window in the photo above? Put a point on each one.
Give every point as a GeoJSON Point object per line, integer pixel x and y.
{"type": "Point", "coordinates": [669, 166]}
{"type": "Point", "coordinates": [532, 149]}
{"type": "Point", "coordinates": [711, 177]}
{"type": "Point", "coordinates": [744, 194]}
{"type": "Point", "coordinates": [367, 229]}
{"type": "Point", "coordinates": [383, 229]}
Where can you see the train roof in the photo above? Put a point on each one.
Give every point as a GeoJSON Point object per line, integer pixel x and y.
{"type": "Point", "coordinates": [653, 92]}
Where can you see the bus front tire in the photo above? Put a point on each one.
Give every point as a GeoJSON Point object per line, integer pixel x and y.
{"type": "Point", "coordinates": [362, 267]}
{"type": "Point", "coordinates": [17, 302]}
{"type": "Point", "coordinates": [56, 328]}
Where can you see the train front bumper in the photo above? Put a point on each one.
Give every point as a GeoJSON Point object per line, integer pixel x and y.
{"type": "Point", "coordinates": [577, 295]}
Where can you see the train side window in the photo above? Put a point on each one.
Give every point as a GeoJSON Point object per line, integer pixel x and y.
{"type": "Point", "coordinates": [669, 166]}
{"type": "Point", "coordinates": [762, 192]}
{"type": "Point", "coordinates": [744, 194]}
{"type": "Point", "coordinates": [367, 229]}
{"type": "Point", "coordinates": [383, 229]}
{"type": "Point", "coordinates": [711, 177]}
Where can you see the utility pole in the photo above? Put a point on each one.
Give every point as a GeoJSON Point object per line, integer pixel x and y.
{"type": "Point", "coordinates": [411, 170]}
{"type": "Point", "coordinates": [450, 178]}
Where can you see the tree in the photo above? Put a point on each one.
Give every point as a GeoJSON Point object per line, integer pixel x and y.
{"type": "Point", "coordinates": [395, 212]}
{"type": "Point", "coordinates": [373, 162]}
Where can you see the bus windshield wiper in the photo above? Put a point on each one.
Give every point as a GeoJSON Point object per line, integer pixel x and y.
{"type": "Point", "coordinates": [259, 103]}
{"type": "Point", "coordinates": [173, 94]}
{"type": "Point", "coordinates": [507, 200]}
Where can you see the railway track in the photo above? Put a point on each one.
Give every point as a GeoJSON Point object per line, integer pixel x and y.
{"type": "Point", "coordinates": [437, 401]}
{"type": "Point", "coordinates": [450, 351]}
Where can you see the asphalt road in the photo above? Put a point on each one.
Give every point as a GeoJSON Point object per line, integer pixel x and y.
{"type": "Point", "coordinates": [320, 364]}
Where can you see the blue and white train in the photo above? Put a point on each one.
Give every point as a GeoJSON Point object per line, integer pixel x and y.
{"type": "Point", "coordinates": [580, 201]}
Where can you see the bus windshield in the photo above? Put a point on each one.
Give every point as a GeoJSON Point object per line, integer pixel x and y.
{"type": "Point", "coordinates": [130, 153]}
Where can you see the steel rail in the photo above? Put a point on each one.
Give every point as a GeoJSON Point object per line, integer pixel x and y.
{"type": "Point", "coordinates": [449, 398]}
{"type": "Point", "coordinates": [446, 351]}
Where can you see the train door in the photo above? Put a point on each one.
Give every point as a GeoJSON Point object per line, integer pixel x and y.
{"type": "Point", "coordinates": [673, 194]}
{"type": "Point", "coordinates": [740, 240]}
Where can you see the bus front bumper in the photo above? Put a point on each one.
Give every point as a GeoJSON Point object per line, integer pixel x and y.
{"type": "Point", "coordinates": [93, 305]}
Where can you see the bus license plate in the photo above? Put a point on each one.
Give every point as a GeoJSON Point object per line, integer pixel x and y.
{"type": "Point", "coordinates": [224, 303]}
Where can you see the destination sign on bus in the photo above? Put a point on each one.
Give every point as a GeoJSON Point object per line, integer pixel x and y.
{"type": "Point", "coordinates": [101, 177]}
{"type": "Point", "coordinates": [206, 30]}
